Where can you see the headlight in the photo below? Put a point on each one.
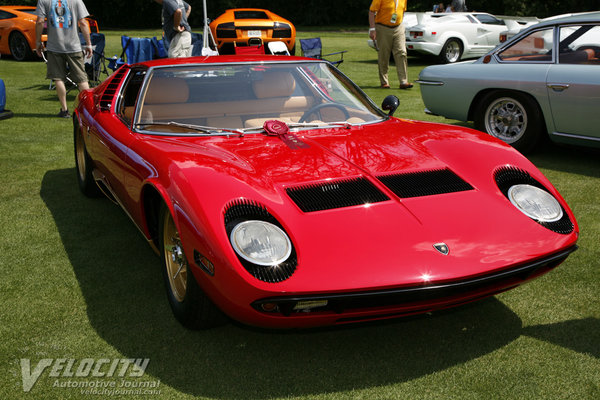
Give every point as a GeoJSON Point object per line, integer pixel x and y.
{"type": "Point", "coordinates": [260, 242]}
{"type": "Point", "coordinates": [535, 203]}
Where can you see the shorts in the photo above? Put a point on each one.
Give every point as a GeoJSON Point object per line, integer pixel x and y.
{"type": "Point", "coordinates": [181, 45]}
{"type": "Point", "coordinates": [61, 64]}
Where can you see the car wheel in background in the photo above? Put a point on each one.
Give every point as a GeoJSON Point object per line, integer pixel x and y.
{"type": "Point", "coordinates": [189, 304]}
{"type": "Point", "coordinates": [451, 51]}
{"type": "Point", "coordinates": [19, 47]}
{"type": "Point", "coordinates": [511, 117]}
{"type": "Point", "coordinates": [83, 164]}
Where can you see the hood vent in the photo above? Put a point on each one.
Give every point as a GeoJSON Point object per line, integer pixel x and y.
{"type": "Point", "coordinates": [335, 194]}
{"type": "Point", "coordinates": [425, 183]}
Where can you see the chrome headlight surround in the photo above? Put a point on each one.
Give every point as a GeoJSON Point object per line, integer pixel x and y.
{"type": "Point", "coordinates": [534, 202]}
{"type": "Point", "coordinates": [517, 181]}
{"type": "Point", "coordinates": [260, 242]}
{"type": "Point", "coordinates": [241, 218]}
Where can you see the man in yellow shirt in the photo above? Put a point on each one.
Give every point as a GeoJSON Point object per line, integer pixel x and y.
{"type": "Point", "coordinates": [386, 28]}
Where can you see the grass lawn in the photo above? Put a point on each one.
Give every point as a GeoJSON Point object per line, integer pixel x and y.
{"type": "Point", "coordinates": [79, 283]}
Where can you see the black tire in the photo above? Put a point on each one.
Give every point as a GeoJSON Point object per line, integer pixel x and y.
{"type": "Point", "coordinates": [451, 51]}
{"type": "Point", "coordinates": [19, 47]}
{"type": "Point", "coordinates": [191, 307]}
{"type": "Point", "coordinates": [512, 117]}
{"type": "Point", "coordinates": [83, 164]}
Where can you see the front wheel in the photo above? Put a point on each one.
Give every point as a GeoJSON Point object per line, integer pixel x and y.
{"type": "Point", "coordinates": [83, 164]}
{"type": "Point", "coordinates": [189, 304]}
{"type": "Point", "coordinates": [451, 51]}
{"type": "Point", "coordinates": [511, 117]}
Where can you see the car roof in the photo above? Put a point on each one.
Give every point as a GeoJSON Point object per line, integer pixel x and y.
{"type": "Point", "coordinates": [17, 8]}
{"type": "Point", "coordinates": [570, 18]}
{"type": "Point", "coordinates": [228, 59]}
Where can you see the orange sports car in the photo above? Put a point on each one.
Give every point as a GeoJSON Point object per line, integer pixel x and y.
{"type": "Point", "coordinates": [17, 31]}
{"type": "Point", "coordinates": [250, 27]}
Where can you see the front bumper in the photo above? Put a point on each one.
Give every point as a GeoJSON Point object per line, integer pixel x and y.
{"type": "Point", "coordinates": [342, 308]}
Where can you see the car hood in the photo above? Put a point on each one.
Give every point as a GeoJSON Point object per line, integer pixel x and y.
{"type": "Point", "coordinates": [386, 242]}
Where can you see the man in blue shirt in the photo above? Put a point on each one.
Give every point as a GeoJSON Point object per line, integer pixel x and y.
{"type": "Point", "coordinates": [64, 52]}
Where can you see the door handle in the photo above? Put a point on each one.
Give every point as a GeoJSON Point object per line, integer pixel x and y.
{"type": "Point", "coordinates": [558, 87]}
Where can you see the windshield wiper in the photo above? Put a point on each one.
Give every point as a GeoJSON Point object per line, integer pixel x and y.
{"type": "Point", "coordinates": [341, 124]}
{"type": "Point", "coordinates": [209, 130]}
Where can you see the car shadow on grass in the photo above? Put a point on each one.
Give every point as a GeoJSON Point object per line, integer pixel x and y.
{"type": "Point", "coordinates": [572, 159]}
{"type": "Point", "coordinates": [120, 280]}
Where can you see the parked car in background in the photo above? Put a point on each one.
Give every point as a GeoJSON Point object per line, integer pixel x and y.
{"type": "Point", "coordinates": [278, 193]}
{"type": "Point", "coordinates": [455, 36]}
{"type": "Point", "coordinates": [545, 80]}
{"type": "Point", "coordinates": [17, 31]}
{"type": "Point", "coordinates": [251, 27]}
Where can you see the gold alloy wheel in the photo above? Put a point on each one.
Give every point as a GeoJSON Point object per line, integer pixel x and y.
{"type": "Point", "coordinates": [80, 154]}
{"type": "Point", "coordinates": [175, 261]}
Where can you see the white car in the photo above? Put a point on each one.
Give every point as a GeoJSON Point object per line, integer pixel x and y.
{"type": "Point", "coordinates": [456, 36]}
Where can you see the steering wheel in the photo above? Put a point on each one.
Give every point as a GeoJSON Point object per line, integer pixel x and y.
{"type": "Point", "coordinates": [318, 107]}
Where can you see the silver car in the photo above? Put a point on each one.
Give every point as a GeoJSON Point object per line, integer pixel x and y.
{"type": "Point", "coordinates": [545, 79]}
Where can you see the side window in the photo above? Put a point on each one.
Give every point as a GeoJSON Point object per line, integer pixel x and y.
{"type": "Point", "coordinates": [6, 15]}
{"type": "Point", "coordinates": [579, 44]}
{"type": "Point", "coordinates": [536, 46]}
{"type": "Point", "coordinates": [126, 107]}
{"type": "Point", "coordinates": [489, 19]}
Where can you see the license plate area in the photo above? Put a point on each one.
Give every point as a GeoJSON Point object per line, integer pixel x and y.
{"type": "Point", "coordinates": [254, 33]}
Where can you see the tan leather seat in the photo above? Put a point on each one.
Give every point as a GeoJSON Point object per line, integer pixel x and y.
{"type": "Point", "coordinates": [274, 84]}
{"type": "Point", "coordinates": [167, 90]}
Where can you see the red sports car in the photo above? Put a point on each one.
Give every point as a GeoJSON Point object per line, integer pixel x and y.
{"type": "Point", "coordinates": [278, 194]}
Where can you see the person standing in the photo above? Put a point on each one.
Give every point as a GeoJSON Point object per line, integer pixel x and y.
{"type": "Point", "coordinates": [176, 28]}
{"type": "Point", "coordinates": [64, 52]}
{"type": "Point", "coordinates": [386, 27]}
{"type": "Point", "coordinates": [458, 6]}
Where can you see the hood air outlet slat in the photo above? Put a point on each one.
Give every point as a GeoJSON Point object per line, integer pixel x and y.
{"type": "Point", "coordinates": [424, 183]}
{"type": "Point", "coordinates": [335, 194]}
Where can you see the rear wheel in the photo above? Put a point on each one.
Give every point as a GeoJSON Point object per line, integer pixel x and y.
{"type": "Point", "coordinates": [451, 51]}
{"type": "Point", "coordinates": [191, 307]}
{"type": "Point", "coordinates": [511, 117]}
{"type": "Point", "coordinates": [19, 47]}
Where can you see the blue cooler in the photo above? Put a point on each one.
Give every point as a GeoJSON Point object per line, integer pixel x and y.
{"type": "Point", "coordinates": [3, 113]}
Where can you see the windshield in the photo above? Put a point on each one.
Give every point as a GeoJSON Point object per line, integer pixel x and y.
{"type": "Point", "coordinates": [242, 97]}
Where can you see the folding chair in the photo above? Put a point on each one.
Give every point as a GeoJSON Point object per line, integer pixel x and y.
{"type": "Point", "coordinates": [137, 49]}
{"type": "Point", "coordinates": [95, 65]}
{"type": "Point", "coordinates": [313, 48]}
{"type": "Point", "coordinates": [248, 50]}
{"type": "Point", "coordinates": [278, 48]}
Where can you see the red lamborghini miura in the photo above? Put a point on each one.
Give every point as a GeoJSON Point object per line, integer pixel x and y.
{"type": "Point", "coordinates": [278, 194]}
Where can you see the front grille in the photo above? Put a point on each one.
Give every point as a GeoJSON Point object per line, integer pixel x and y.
{"type": "Point", "coordinates": [424, 183]}
{"type": "Point", "coordinates": [335, 194]}
{"type": "Point", "coordinates": [506, 177]}
{"type": "Point", "coordinates": [417, 298]}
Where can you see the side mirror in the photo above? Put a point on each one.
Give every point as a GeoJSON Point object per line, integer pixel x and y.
{"type": "Point", "coordinates": [390, 104]}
